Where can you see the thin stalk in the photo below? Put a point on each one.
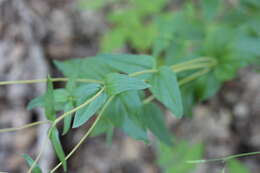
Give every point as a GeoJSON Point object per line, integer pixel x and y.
{"type": "Point", "coordinates": [86, 134]}
{"type": "Point", "coordinates": [23, 127]}
{"type": "Point", "coordinates": [79, 107]}
{"type": "Point", "coordinates": [45, 80]}
{"type": "Point", "coordinates": [58, 120]}
{"type": "Point", "coordinates": [41, 151]}
{"type": "Point", "coordinates": [225, 159]}
{"type": "Point", "coordinates": [192, 67]}
{"type": "Point", "coordinates": [142, 72]}
{"type": "Point", "coordinates": [193, 76]}
{"type": "Point", "coordinates": [194, 61]}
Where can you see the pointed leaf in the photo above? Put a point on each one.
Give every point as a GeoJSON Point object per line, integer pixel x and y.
{"type": "Point", "coordinates": [166, 89]}
{"type": "Point", "coordinates": [49, 101]}
{"type": "Point", "coordinates": [30, 162]}
{"type": "Point", "coordinates": [36, 102]}
{"type": "Point", "coordinates": [54, 137]}
{"type": "Point", "coordinates": [155, 123]}
{"type": "Point", "coordinates": [118, 83]}
{"type": "Point", "coordinates": [133, 130]}
{"type": "Point", "coordinates": [67, 119]}
{"type": "Point", "coordinates": [84, 114]}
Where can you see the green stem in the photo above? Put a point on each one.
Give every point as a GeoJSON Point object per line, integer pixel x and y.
{"type": "Point", "coordinates": [41, 151]}
{"type": "Point", "coordinates": [60, 119]}
{"type": "Point", "coordinates": [142, 72]}
{"type": "Point", "coordinates": [79, 107]}
{"type": "Point", "coordinates": [225, 159]}
{"type": "Point", "coordinates": [45, 80]}
{"type": "Point", "coordinates": [23, 127]}
{"type": "Point", "coordinates": [86, 134]}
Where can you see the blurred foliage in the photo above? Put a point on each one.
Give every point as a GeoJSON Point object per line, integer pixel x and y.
{"type": "Point", "coordinates": [235, 166]}
{"type": "Point", "coordinates": [174, 159]}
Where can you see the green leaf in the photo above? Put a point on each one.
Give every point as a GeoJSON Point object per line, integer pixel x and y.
{"type": "Point", "coordinates": [155, 122]}
{"type": "Point", "coordinates": [234, 166]}
{"type": "Point", "coordinates": [103, 126]}
{"type": "Point", "coordinates": [67, 120]}
{"type": "Point", "coordinates": [117, 83]}
{"type": "Point", "coordinates": [49, 101]}
{"type": "Point", "coordinates": [211, 9]}
{"type": "Point", "coordinates": [36, 102]}
{"type": "Point", "coordinates": [54, 137]}
{"type": "Point", "coordinates": [166, 89]}
{"type": "Point", "coordinates": [132, 129]}
{"type": "Point", "coordinates": [87, 90]}
{"type": "Point", "coordinates": [91, 68]}
{"type": "Point", "coordinates": [60, 95]}
{"type": "Point", "coordinates": [30, 162]}
{"type": "Point", "coordinates": [128, 63]}
{"type": "Point", "coordinates": [173, 159]}
{"type": "Point", "coordinates": [207, 86]}
{"type": "Point", "coordinates": [84, 114]}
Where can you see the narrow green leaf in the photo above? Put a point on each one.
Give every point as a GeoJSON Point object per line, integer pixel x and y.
{"type": "Point", "coordinates": [49, 101]}
{"type": "Point", "coordinates": [30, 162]}
{"type": "Point", "coordinates": [118, 83]}
{"type": "Point", "coordinates": [155, 122]}
{"type": "Point", "coordinates": [54, 137]}
{"type": "Point", "coordinates": [84, 114]}
{"type": "Point", "coordinates": [166, 89]}
{"type": "Point", "coordinates": [67, 119]}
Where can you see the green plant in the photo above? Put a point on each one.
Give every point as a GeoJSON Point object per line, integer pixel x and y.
{"type": "Point", "coordinates": [196, 49]}
{"type": "Point", "coordinates": [172, 159]}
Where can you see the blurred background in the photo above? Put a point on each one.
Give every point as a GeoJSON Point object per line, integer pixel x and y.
{"type": "Point", "coordinates": [33, 33]}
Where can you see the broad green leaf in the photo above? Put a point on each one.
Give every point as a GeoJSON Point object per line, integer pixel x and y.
{"type": "Point", "coordinates": [166, 89]}
{"type": "Point", "coordinates": [133, 130]}
{"type": "Point", "coordinates": [155, 122]}
{"type": "Point", "coordinates": [49, 101]}
{"type": "Point", "coordinates": [30, 162]}
{"type": "Point", "coordinates": [117, 83]}
{"type": "Point", "coordinates": [67, 120]}
{"type": "Point", "coordinates": [234, 166]}
{"type": "Point", "coordinates": [60, 95]}
{"type": "Point", "coordinates": [54, 137]}
{"type": "Point", "coordinates": [128, 63]}
{"type": "Point", "coordinates": [84, 114]}
{"type": "Point", "coordinates": [102, 126]}
{"type": "Point", "coordinates": [87, 90]}
{"type": "Point", "coordinates": [206, 86]}
{"type": "Point", "coordinates": [91, 68]}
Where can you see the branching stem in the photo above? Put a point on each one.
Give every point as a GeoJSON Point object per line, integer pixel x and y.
{"type": "Point", "coordinates": [86, 134]}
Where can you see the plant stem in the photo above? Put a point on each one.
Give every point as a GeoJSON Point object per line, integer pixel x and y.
{"type": "Point", "coordinates": [142, 72]}
{"type": "Point", "coordinates": [193, 76]}
{"type": "Point", "coordinates": [79, 107]}
{"type": "Point", "coordinates": [45, 80]}
{"type": "Point", "coordinates": [41, 150]}
{"type": "Point", "coordinates": [225, 159]}
{"type": "Point", "coordinates": [23, 127]}
{"type": "Point", "coordinates": [58, 120]}
{"type": "Point", "coordinates": [86, 134]}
